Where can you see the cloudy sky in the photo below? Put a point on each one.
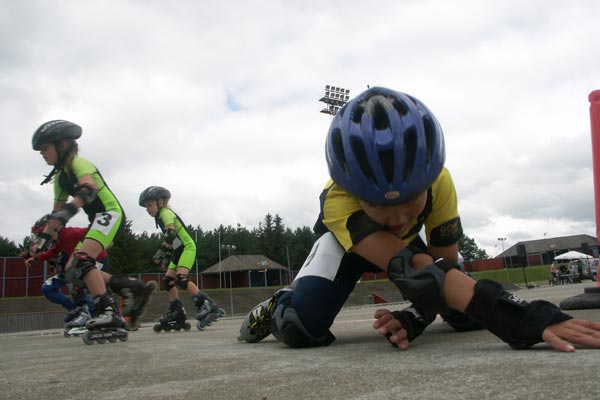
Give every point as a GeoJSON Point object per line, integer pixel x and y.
{"type": "Point", "coordinates": [218, 101]}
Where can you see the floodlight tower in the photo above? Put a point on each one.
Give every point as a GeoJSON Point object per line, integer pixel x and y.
{"type": "Point", "coordinates": [334, 98]}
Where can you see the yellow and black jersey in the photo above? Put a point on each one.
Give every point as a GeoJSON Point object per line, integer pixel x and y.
{"type": "Point", "coordinates": [342, 215]}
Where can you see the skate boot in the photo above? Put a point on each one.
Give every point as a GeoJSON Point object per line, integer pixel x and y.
{"type": "Point", "coordinates": [174, 319]}
{"type": "Point", "coordinates": [76, 326]}
{"type": "Point", "coordinates": [208, 311]}
{"type": "Point", "coordinates": [108, 323]}
{"type": "Point", "coordinates": [71, 315]}
{"type": "Point", "coordinates": [257, 324]}
{"type": "Point", "coordinates": [141, 296]}
{"type": "Point", "coordinates": [135, 295]}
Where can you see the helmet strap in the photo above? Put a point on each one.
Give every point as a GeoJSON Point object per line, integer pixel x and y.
{"type": "Point", "coordinates": [48, 178]}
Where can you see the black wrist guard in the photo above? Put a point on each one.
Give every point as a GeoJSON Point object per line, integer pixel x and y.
{"type": "Point", "coordinates": [413, 321]}
{"type": "Point", "coordinates": [512, 319]}
{"type": "Point", "coordinates": [159, 255]}
{"type": "Point", "coordinates": [44, 240]}
{"type": "Point", "coordinates": [69, 210]}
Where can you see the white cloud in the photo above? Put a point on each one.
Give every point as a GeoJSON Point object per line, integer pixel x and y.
{"type": "Point", "coordinates": [218, 102]}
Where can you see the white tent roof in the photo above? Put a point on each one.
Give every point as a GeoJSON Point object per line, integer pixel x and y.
{"type": "Point", "coordinates": [572, 255]}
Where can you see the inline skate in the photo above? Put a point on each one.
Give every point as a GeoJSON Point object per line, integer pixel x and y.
{"type": "Point", "coordinates": [208, 311]}
{"type": "Point", "coordinates": [257, 324]}
{"type": "Point", "coordinates": [135, 296]}
{"type": "Point", "coordinates": [108, 323]}
{"type": "Point", "coordinates": [174, 319]}
{"type": "Point", "coordinates": [141, 297]}
{"type": "Point", "coordinates": [76, 326]}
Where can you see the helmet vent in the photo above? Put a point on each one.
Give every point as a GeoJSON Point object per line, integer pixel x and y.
{"type": "Point", "coordinates": [358, 149]}
{"type": "Point", "coordinates": [400, 107]}
{"type": "Point", "coordinates": [410, 149]}
{"type": "Point", "coordinates": [380, 117]}
{"type": "Point", "coordinates": [358, 113]}
{"type": "Point", "coordinates": [386, 158]}
{"type": "Point", "coordinates": [338, 148]}
{"type": "Point", "coordinates": [429, 137]}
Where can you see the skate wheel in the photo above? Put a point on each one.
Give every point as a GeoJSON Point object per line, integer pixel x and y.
{"type": "Point", "coordinates": [66, 333]}
{"type": "Point", "coordinates": [87, 338]}
{"type": "Point", "coordinates": [200, 326]}
{"type": "Point", "coordinates": [112, 339]}
{"type": "Point", "coordinates": [124, 338]}
{"type": "Point", "coordinates": [101, 340]}
{"type": "Point", "coordinates": [167, 328]}
{"type": "Point", "coordinates": [177, 328]}
{"type": "Point", "coordinates": [156, 328]}
{"type": "Point", "coordinates": [187, 326]}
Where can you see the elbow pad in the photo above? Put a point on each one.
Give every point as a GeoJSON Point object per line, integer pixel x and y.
{"type": "Point", "coordinates": [86, 192]}
{"type": "Point", "coordinates": [423, 287]}
{"type": "Point", "coordinates": [170, 236]}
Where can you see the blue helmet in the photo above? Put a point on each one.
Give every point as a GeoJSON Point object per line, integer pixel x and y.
{"type": "Point", "coordinates": [385, 147]}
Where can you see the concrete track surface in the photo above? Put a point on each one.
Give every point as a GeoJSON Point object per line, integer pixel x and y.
{"type": "Point", "coordinates": [360, 364]}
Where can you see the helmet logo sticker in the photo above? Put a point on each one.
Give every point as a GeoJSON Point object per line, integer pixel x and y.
{"type": "Point", "coordinates": [394, 194]}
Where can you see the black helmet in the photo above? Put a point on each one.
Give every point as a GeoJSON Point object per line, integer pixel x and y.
{"type": "Point", "coordinates": [154, 193]}
{"type": "Point", "coordinates": [40, 224]}
{"type": "Point", "coordinates": [54, 131]}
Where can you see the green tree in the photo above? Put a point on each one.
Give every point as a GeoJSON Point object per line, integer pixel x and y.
{"type": "Point", "coordinates": [300, 242]}
{"type": "Point", "coordinates": [469, 249]}
{"type": "Point", "coordinates": [8, 248]}
{"type": "Point", "coordinates": [126, 253]}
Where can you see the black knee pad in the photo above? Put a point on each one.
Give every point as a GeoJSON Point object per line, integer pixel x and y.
{"type": "Point", "coordinates": [182, 281]}
{"type": "Point", "coordinates": [82, 264]}
{"type": "Point", "coordinates": [118, 283]}
{"type": "Point", "coordinates": [289, 329]}
{"type": "Point", "coordinates": [168, 282]}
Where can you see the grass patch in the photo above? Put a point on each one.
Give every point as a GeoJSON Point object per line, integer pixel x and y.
{"type": "Point", "coordinates": [536, 273]}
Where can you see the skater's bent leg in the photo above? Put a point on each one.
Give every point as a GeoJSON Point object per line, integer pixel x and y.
{"type": "Point", "coordinates": [51, 289]}
{"type": "Point", "coordinates": [169, 282]}
{"type": "Point", "coordinates": [303, 316]}
{"type": "Point", "coordinates": [93, 278]}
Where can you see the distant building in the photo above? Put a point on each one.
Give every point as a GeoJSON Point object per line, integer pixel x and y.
{"type": "Point", "coordinates": [546, 249]}
{"type": "Point", "coordinates": [536, 252]}
{"type": "Point", "coordinates": [246, 271]}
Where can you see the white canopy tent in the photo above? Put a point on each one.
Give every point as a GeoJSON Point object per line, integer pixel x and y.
{"type": "Point", "coordinates": [572, 255]}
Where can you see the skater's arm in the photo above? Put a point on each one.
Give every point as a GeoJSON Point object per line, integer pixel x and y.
{"type": "Point", "coordinates": [580, 332]}
{"type": "Point", "coordinates": [447, 252]}
{"type": "Point", "coordinates": [512, 319]}
{"type": "Point", "coordinates": [380, 247]}
{"type": "Point", "coordinates": [389, 326]}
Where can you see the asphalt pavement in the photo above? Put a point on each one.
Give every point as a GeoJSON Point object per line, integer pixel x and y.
{"type": "Point", "coordinates": [360, 364]}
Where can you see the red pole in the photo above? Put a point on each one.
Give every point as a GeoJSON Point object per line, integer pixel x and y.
{"type": "Point", "coordinates": [594, 98]}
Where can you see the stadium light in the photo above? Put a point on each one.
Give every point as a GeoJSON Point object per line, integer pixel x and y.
{"type": "Point", "coordinates": [502, 240]}
{"type": "Point", "coordinates": [334, 98]}
{"type": "Point", "coordinates": [229, 247]}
